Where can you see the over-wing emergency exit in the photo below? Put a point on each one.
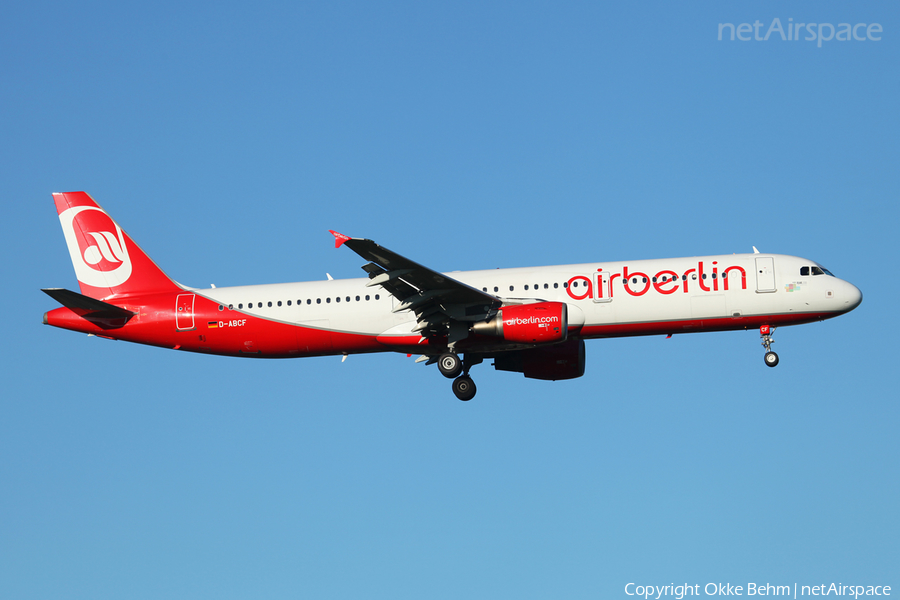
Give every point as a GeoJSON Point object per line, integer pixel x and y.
{"type": "Point", "coordinates": [531, 320]}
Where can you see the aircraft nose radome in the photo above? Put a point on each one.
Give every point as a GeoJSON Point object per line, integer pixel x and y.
{"type": "Point", "coordinates": [852, 297]}
{"type": "Point", "coordinates": [857, 297]}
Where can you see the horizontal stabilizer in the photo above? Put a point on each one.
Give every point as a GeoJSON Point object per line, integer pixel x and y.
{"type": "Point", "coordinates": [108, 316]}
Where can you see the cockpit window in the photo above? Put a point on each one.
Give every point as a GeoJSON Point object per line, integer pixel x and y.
{"type": "Point", "coordinates": [815, 271]}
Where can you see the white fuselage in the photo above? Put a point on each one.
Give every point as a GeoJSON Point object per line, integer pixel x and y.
{"type": "Point", "coordinates": [659, 291]}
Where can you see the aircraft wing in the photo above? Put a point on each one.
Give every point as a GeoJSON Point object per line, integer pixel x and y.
{"type": "Point", "coordinates": [434, 297]}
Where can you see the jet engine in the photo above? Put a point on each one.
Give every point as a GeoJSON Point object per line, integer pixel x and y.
{"type": "Point", "coordinates": [551, 363]}
{"type": "Point", "coordinates": [537, 323]}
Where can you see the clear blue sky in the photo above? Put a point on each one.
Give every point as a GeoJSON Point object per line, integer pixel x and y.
{"type": "Point", "coordinates": [227, 139]}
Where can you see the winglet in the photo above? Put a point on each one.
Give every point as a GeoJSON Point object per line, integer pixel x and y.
{"type": "Point", "coordinates": [339, 238]}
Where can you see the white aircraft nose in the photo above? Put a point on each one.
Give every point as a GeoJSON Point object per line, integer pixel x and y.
{"type": "Point", "coordinates": [851, 296]}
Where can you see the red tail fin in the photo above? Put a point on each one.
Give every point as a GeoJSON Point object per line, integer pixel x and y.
{"type": "Point", "coordinates": [107, 262]}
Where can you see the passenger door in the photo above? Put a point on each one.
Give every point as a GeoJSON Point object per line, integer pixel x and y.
{"type": "Point", "coordinates": [184, 312]}
{"type": "Point", "coordinates": [602, 291]}
{"type": "Point", "coordinates": [765, 274]}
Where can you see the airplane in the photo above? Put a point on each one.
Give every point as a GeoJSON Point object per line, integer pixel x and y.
{"type": "Point", "coordinates": [531, 320]}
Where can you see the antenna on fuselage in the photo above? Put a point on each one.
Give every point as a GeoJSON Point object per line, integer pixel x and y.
{"type": "Point", "coordinates": [755, 251]}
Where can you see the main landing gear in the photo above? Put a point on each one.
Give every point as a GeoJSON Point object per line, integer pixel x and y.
{"type": "Point", "coordinates": [450, 366]}
{"type": "Point", "coordinates": [464, 388]}
{"type": "Point", "coordinates": [765, 333]}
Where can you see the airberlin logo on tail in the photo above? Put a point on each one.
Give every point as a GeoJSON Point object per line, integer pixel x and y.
{"type": "Point", "coordinates": [107, 247]}
{"type": "Point", "coordinates": [97, 247]}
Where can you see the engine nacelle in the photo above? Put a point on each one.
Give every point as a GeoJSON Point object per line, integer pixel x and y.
{"type": "Point", "coordinates": [538, 323]}
{"type": "Point", "coordinates": [551, 363]}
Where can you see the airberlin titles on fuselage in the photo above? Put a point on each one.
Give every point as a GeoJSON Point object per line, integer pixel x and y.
{"type": "Point", "coordinates": [665, 281]}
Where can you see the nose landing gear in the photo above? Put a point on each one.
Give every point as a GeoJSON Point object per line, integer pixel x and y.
{"type": "Point", "coordinates": [765, 333]}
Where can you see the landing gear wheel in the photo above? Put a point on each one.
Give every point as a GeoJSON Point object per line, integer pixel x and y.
{"type": "Point", "coordinates": [464, 388]}
{"type": "Point", "coordinates": [449, 365]}
{"type": "Point", "coordinates": [765, 332]}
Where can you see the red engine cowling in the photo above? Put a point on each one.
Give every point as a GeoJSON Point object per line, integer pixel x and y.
{"type": "Point", "coordinates": [551, 363]}
{"type": "Point", "coordinates": [538, 323]}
